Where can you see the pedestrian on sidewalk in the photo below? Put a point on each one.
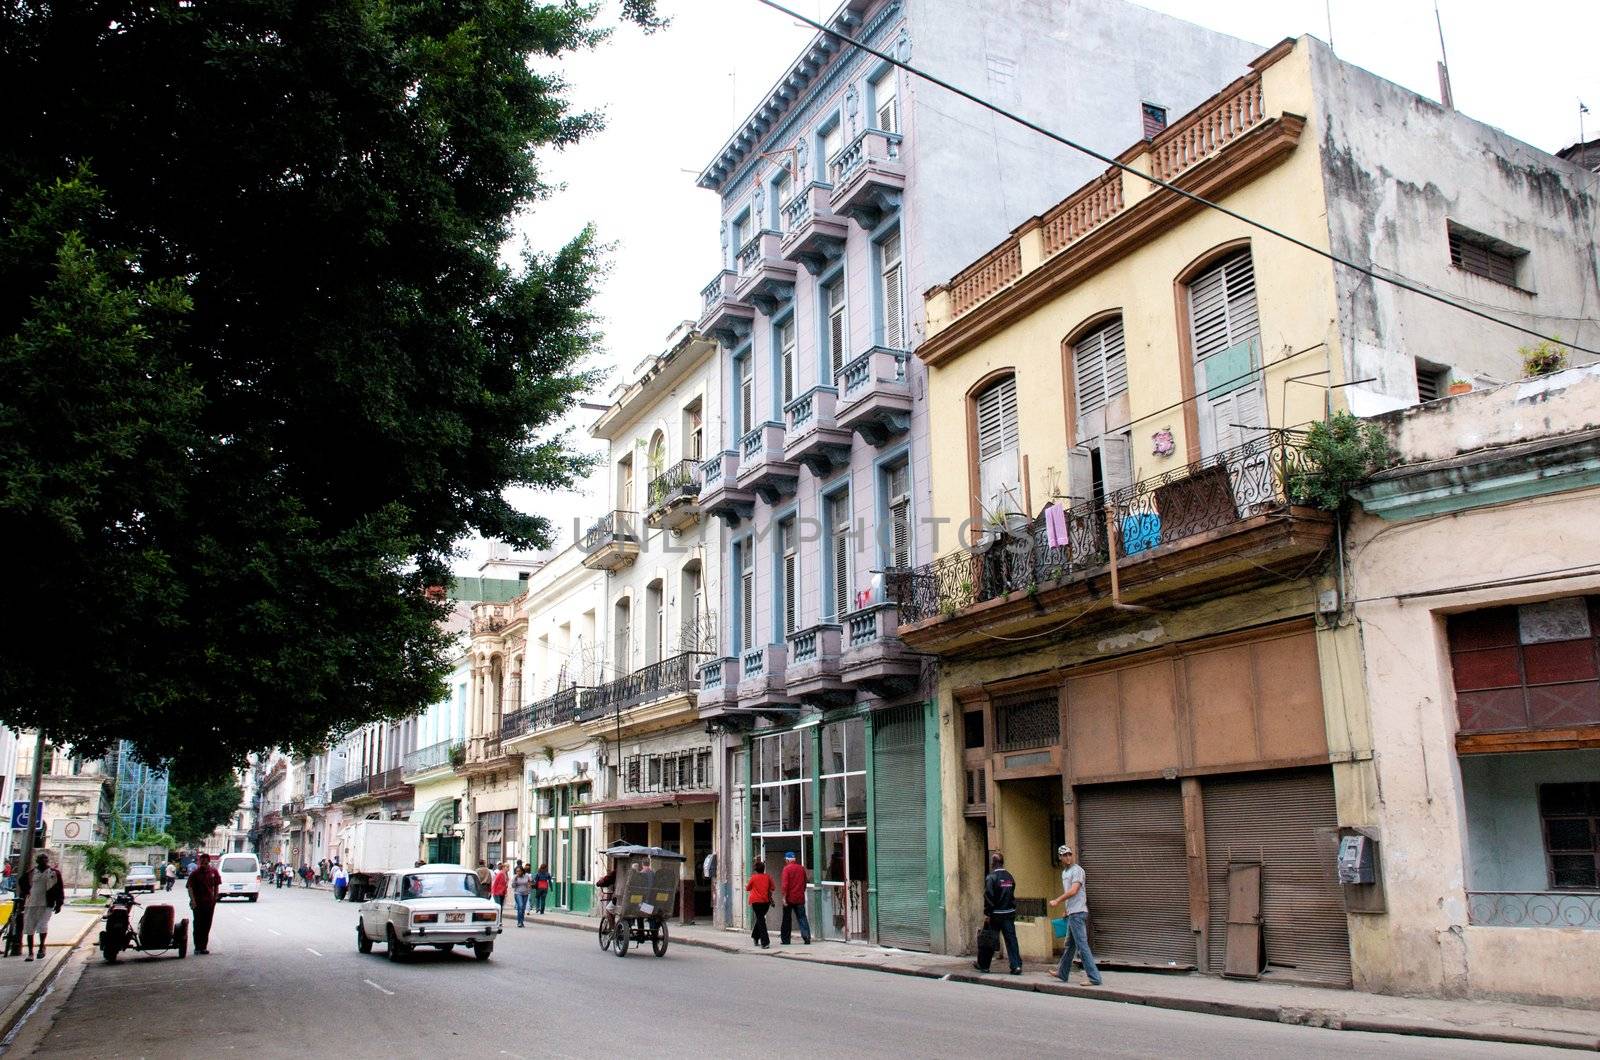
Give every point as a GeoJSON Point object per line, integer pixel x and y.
{"type": "Point", "coordinates": [484, 877]}
{"type": "Point", "coordinates": [793, 884]}
{"type": "Point", "coordinates": [759, 887]}
{"type": "Point", "coordinates": [1000, 909]}
{"type": "Point", "coordinates": [1074, 892]}
{"type": "Point", "coordinates": [42, 895]}
{"type": "Point", "coordinates": [204, 883]}
{"type": "Point", "coordinates": [498, 887]}
{"type": "Point", "coordinates": [541, 886]}
{"type": "Point", "coordinates": [521, 891]}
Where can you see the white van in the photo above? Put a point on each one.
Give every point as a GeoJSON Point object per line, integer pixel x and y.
{"type": "Point", "coordinates": [241, 876]}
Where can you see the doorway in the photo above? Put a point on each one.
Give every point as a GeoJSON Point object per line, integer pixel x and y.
{"type": "Point", "coordinates": [1031, 826]}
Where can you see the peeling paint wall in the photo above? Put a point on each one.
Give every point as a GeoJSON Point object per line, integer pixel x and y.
{"type": "Point", "coordinates": [1398, 169]}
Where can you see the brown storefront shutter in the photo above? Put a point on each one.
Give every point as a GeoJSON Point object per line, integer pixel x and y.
{"type": "Point", "coordinates": [1277, 819]}
{"type": "Point", "coordinates": [1130, 839]}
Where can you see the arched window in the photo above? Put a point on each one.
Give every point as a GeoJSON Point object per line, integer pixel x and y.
{"type": "Point", "coordinates": [1100, 459]}
{"type": "Point", "coordinates": [657, 454]}
{"type": "Point", "coordinates": [1225, 346]}
{"type": "Point", "coordinates": [999, 468]}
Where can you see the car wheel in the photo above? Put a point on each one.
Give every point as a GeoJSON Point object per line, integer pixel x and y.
{"type": "Point", "coordinates": [481, 950]}
{"type": "Point", "coordinates": [398, 951]}
{"type": "Point", "coordinates": [363, 943]}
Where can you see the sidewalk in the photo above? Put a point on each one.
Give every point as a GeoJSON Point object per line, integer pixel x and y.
{"type": "Point", "coordinates": [22, 981]}
{"type": "Point", "coordinates": [1274, 1002]}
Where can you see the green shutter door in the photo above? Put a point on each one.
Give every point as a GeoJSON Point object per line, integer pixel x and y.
{"type": "Point", "coordinates": [900, 832]}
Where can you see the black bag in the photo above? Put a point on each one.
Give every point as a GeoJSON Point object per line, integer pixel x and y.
{"type": "Point", "coordinates": [988, 946]}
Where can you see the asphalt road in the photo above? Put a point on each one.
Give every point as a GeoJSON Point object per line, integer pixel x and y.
{"type": "Point", "coordinates": [283, 979]}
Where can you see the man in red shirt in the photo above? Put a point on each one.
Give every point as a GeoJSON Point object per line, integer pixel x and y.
{"type": "Point", "coordinates": [793, 884]}
{"type": "Point", "coordinates": [204, 883]}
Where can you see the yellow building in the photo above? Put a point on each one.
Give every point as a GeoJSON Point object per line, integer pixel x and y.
{"type": "Point", "coordinates": [1159, 672]}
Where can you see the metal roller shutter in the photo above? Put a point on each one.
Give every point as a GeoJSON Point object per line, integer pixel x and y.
{"type": "Point", "coordinates": [900, 827]}
{"type": "Point", "coordinates": [1276, 818]}
{"type": "Point", "coordinates": [1130, 839]}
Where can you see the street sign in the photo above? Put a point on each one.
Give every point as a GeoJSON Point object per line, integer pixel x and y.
{"type": "Point", "coordinates": [78, 830]}
{"type": "Point", "coordinates": [19, 813]}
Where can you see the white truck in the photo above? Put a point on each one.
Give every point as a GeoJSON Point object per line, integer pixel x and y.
{"type": "Point", "coordinates": [372, 848]}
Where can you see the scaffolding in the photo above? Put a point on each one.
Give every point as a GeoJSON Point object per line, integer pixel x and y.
{"type": "Point", "coordinates": [141, 793]}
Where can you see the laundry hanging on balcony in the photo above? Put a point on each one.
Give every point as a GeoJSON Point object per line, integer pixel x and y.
{"type": "Point", "coordinates": [1055, 525]}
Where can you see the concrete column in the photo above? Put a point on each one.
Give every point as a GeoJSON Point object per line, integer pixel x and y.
{"type": "Point", "coordinates": [687, 877]}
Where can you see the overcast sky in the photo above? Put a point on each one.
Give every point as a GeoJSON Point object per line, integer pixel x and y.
{"type": "Point", "coordinates": [671, 99]}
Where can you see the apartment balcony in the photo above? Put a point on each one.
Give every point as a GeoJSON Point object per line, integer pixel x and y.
{"type": "Point", "coordinates": [349, 791]}
{"type": "Point", "coordinates": [434, 757]}
{"type": "Point", "coordinates": [1226, 523]}
{"type": "Point", "coordinates": [270, 821]}
{"type": "Point", "coordinates": [674, 497]}
{"type": "Point", "coordinates": [766, 279]}
{"type": "Point", "coordinates": [491, 618]}
{"type": "Point", "coordinates": [762, 681]}
{"type": "Point", "coordinates": [612, 543]}
{"type": "Point", "coordinates": [813, 674]}
{"type": "Point", "coordinates": [875, 396]}
{"type": "Point", "coordinates": [868, 177]}
{"type": "Point", "coordinates": [651, 697]}
{"type": "Point", "coordinates": [763, 470]}
{"type": "Point", "coordinates": [813, 235]}
{"type": "Point", "coordinates": [720, 492]}
{"type": "Point", "coordinates": [719, 687]}
{"type": "Point", "coordinates": [724, 317]}
{"type": "Point", "coordinates": [390, 784]}
{"type": "Point", "coordinates": [487, 754]}
{"type": "Point", "coordinates": [875, 658]}
{"type": "Point", "coordinates": [317, 802]}
{"type": "Point", "coordinates": [814, 438]}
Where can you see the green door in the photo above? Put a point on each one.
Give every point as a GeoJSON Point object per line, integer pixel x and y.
{"type": "Point", "coordinates": [900, 827]}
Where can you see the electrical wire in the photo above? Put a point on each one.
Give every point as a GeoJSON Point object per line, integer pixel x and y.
{"type": "Point", "coordinates": [1365, 270]}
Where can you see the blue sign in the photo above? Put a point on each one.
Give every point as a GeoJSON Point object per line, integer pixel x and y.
{"type": "Point", "coordinates": [19, 813]}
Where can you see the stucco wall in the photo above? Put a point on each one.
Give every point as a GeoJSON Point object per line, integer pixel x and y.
{"type": "Point", "coordinates": [1505, 849]}
{"type": "Point", "coordinates": [1401, 575]}
{"type": "Point", "coordinates": [1398, 167]}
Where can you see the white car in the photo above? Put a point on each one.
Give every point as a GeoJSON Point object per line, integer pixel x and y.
{"type": "Point", "coordinates": [140, 878]}
{"type": "Point", "coordinates": [433, 905]}
{"type": "Point", "coordinates": [241, 876]}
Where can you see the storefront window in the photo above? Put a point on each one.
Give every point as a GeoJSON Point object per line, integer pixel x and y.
{"type": "Point", "coordinates": [580, 860]}
{"type": "Point", "coordinates": [844, 836]}
{"type": "Point", "coordinates": [782, 814]}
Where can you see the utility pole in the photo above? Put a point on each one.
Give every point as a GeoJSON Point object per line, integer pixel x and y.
{"type": "Point", "coordinates": [13, 946]}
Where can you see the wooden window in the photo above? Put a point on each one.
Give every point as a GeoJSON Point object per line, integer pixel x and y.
{"type": "Point", "coordinates": [789, 560]}
{"type": "Point", "coordinates": [838, 332]}
{"type": "Point", "coordinates": [886, 106]}
{"type": "Point", "coordinates": [1099, 367]}
{"type": "Point", "coordinates": [1433, 382]}
{"type": "Point", "coordinates": [747, 595]}
{"type": "Point", "coordinates": [1570, 818]}
{"type": "Point", "coordinates": [1484, 255]}
{"type": "Point", "coordinates": [893, 293]}
{"type": "Point", "coordinates": [1225, 340]}
{"type": "Point", "coordinates": [694, 430]}
{"type": "Point", "coordinates": [780, 198]}
{"type": "Point", "coordinates": [832, 142]}
{"type": "Point", "coordinates": [899, 504]}
{"type": "Point", "coordinates": [998, 468]}
{"type": "Point", "coordinates": [786, 359]}
{"type": "Point", "coordinates": [1527, 668]}
{"type": "Point", "coordinates": [625, 484]}
{"type": "Point", "coordinates": [839, 551]}
{"type": "Point", "coordinates": [747, 395]}
{"type": "Point", "coordinates": [1154, 119]}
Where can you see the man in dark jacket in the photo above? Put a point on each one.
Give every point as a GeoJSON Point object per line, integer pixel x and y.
{"type": "Point", "coordinates": [204, 883]}
{"type": "Point", "coordinates": [1000, 906]}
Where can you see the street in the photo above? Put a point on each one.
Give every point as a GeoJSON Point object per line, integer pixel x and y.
{"type": "Point", "coordinates": [283, 978]}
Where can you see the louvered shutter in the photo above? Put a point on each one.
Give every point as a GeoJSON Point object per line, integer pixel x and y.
{"type": "Point", "coordinates": [899, 517]}
{"type": "Point", "coordinates": [786, 356]}
{"type": "Point", "coordinates": [889, 115]}
{"type": "Point", "coordinates": [1116, 461]}
{"type": "Point", "coordinates": [1224, 334]}
{"type": "Point", "coordinates": [747, 395]}
{"type": "Point", "coordinates": [998, 475]}
{"type": "Point", "coordinates": [839, 523]}
{"type": "Point", "coordinates": [900, 826]}
{"type": "Point", "coordinates": [747, 597]}
{"type": "Point", "coordinates": [1080, 476]}
{"type": "Point", "coordinates": [894, 308]}
{"type": "Point", "coordinates": [790, 614]}
{"type": "Point", "coordinates": [836, 327]}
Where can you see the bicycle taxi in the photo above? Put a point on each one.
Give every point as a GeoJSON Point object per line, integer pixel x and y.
{"type": "Point", "coordinates": [644, 884]}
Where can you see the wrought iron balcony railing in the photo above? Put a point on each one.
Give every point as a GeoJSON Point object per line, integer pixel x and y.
{"type": "Point", "coordinates": [434, 756]}
{"type": "Point", "coordinates": [680, 480]}
{"type": "Point", "coordinates": [389, 778]}
{"type": "Point", "coordinates": [349, 790]}
{"type": "Point", "coordinates": [613, 526]}
{"type": "Point", "coordinates": [673, 676]}
{"type": "Point", "coordinates": [1256, 478]}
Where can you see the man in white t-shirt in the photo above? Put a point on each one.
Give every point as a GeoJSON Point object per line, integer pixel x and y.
{"type": "Point", "coordinates": [1074, 892]}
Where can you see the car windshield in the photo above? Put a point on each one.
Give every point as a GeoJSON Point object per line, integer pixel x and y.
{"type": "Point", "coordinates": [237, 865]}
{"type": "Point", "coordinates": [439, 885]}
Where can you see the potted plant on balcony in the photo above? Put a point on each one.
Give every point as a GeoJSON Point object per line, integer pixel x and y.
{"type": "Point", "coordinates": [458, 755]}
{"type": "Point", "coordinates": [1338, 454]}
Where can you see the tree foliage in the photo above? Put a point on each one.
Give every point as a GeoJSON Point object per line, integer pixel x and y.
{"type": "Point", "coordinates": [1338, 454]}
{"type": "Point", "coordinates": [261, 358]}
{"type": "Point", "coordinates": [103, 860]}
{"type": "Point", "coordinates": [199, 807]}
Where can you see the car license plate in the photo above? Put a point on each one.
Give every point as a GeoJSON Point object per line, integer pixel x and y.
{"type": "Point", "coordinates": [238, 886]}
{"type": "Point", "coordinates": [455, 918]}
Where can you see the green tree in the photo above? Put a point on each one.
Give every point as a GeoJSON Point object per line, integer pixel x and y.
{"type": "Point", "coordinates": [198, 807]}
{"type": "Point", "coordinates": [262, 359]}
{"type": "Point", "coordinates": [102, 860]}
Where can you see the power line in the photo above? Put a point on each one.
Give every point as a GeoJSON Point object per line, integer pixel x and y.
{"type": "Point", "coordinates": [1365, 270]}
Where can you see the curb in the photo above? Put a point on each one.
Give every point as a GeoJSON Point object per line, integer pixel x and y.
{"type": "Point", "coordinates": [1326, 1018]}
{"type": "Point", "coordinates": [24, 1001]}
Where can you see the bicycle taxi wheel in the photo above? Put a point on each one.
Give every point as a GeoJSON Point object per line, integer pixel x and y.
{"type": "Point", "coordinates": [658, 937]}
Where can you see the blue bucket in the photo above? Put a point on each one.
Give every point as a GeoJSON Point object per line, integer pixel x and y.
{"type": "Point", "coordinates": [1059, 926]}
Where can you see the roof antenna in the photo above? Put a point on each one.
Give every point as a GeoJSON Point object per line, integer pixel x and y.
{"type": "Point", "coordinates": [1327, 10]}
{"type": "Point", "coordinates": [1445, 97]}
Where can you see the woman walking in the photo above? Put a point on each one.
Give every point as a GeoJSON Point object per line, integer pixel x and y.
{"type": "Point", "coordinates": [760, 889]}
{"type": "Point", "coordinates": [521, 888]}
{"type": "Point", "coordinates": [497, 888]}
{"type": "Point", "coordinates": [541, 886]}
